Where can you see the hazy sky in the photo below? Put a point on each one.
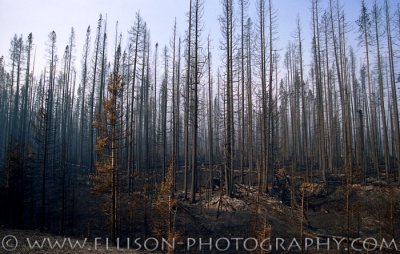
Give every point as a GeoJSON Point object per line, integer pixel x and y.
{"type": "Point", "coordinates": [42, 16]}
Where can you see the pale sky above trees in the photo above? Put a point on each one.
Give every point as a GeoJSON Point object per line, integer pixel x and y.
{"type": "Point", "coordinates": [42, 16]}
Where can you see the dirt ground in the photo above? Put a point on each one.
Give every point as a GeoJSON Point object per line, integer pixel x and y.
{"type": "Point", "coordinates": [351, 214]}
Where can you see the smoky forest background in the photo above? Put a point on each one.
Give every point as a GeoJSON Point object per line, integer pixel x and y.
{"type": "Point", "coordinates": [159, 140]}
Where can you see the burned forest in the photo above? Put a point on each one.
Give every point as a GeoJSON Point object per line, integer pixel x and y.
{"type": "Point", "coordinates": [235, 140]}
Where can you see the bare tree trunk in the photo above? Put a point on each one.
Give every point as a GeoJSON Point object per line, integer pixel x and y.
{"type": "Point", "coordinates": [195, 172]}
{"type": "Point", "coordinates": [303, 104]}
{"type": "Point", "coordinates": [91, 133]}
{"type": "Point", "coordinates": [155, 143]}
{"type": "Point", "coordinates": [270, 104]}
{"type": "Point", "coordinates": [227, 23]}
{"type": "Point", "coordinates": [131, 148]}
{"type": "Point", "coordinates": [393, 89]}
{"type": "Point", "coordinates": [264, 130]}
{"type": "Point", "coordinates": [164, 103]}
{"type": "Point", "coordinates": [84, 82]}
{"type": "Point", "coordinates": [187, 100]}
{"type": "Point", "coordinates": [210, 123]}
{"type": "Point", "coordinates": [376, 14]}
{"type": "Point", "coordinates": [364, 23]}
{"type": "Point", "coordinates": [174, 112]}
{"type": "Point", "coordinates": [243, 5]}
{"type": "Point", "coordinates": [249, 103]}
{"type": "Point", "coordinates": [48, 123]}
{"type": "Point", "coordinates": [319, 88]}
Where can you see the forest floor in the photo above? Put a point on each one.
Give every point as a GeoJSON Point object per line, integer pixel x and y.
{"type": "Point", "coordinates": [373, 215]}
{"type": "Point", "coordinates": [367, 216]}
